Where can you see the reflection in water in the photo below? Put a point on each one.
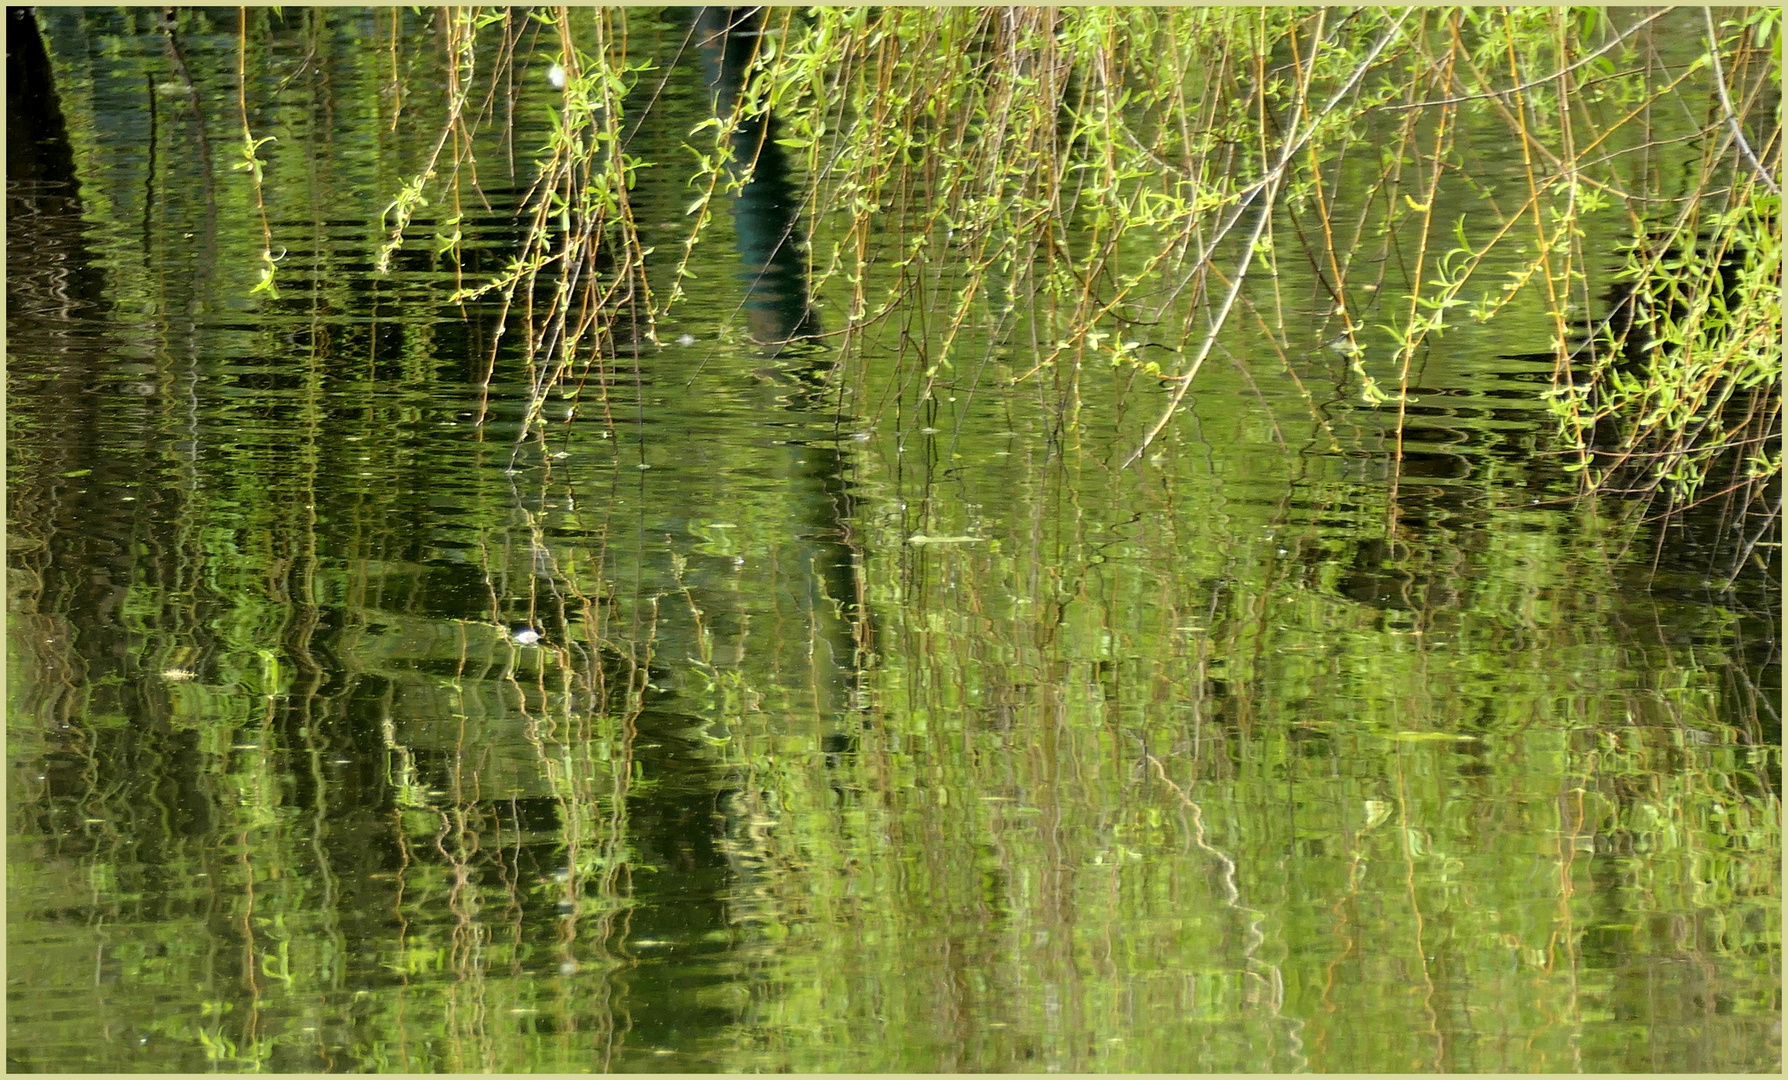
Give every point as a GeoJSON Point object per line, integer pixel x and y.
{"type": "Point", "coordinates": [766, 212]}
{"type": "Point", "coordinates": [774, 272]}
{"type": "Point", "coordinates": [1193, 767]}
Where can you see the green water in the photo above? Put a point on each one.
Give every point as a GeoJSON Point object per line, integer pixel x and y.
{"type": "Point", "coordinates": [863, 732]}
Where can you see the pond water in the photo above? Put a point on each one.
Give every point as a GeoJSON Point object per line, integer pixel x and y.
{"type": "Point", "coordinates": [770, 716]}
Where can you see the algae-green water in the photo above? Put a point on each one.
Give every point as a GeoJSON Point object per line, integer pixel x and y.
{"type": "Point", "coordinates": [767, 713]}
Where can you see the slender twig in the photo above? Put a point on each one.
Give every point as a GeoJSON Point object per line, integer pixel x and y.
{"type": "Point", "coordinates": [1542, 80]}
{"type": "Point", "coordinates": [1719, 81]}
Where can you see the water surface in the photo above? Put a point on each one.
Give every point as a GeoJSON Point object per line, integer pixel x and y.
{"type": "Point", "coordinates": [862, 731]}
